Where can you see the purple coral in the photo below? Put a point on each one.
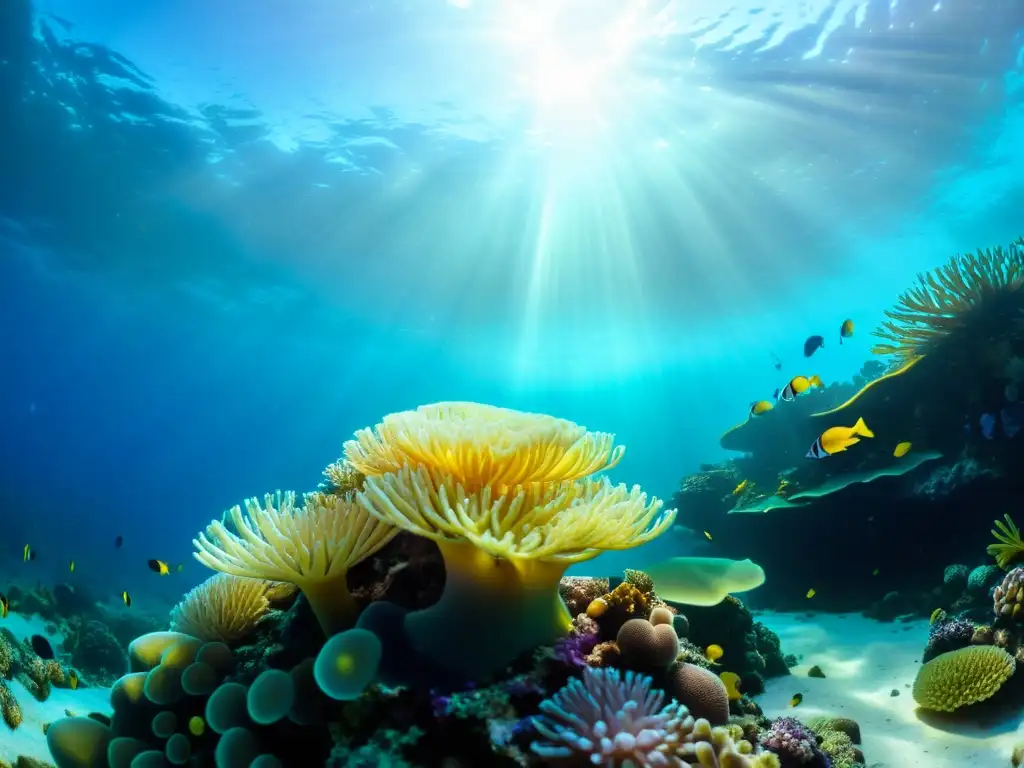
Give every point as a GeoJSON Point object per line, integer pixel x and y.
{"type": "Point", "coordinates": [947, 636]}
{"type": "Point", "coordinates": [574, 649]}
{"type": "Point", "coordinates": [608, 718]}
{"type": "Point", "coordinates": [795, 745]}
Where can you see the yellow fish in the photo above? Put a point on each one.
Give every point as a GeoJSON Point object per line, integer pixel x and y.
{"type": "Point", "coordinates": [72, 681]}
{"type": "Point", "coordinates": [4, 607]}
{"type": "Point", "coordinates": [838, 439]}
{"type": "Point", "coordinates": [71, 566]}
{"type": "Point", "coordinates": [902, 449]}
{"type": "Point", "coordinates": [797, 386]}
{"type": "Point", "coordinates": [707, 536]}
{"type": "Point", "coordinates": [158, 566]}
{"type": "Point", "coordinates": [760, 407]}
{"type": "Point", "coordinates": [810, 593]}
{"type": "Point", "coordinates": [126, 599]}
{"type": "Point", "coordinates": [732, 685]}
{"type": "Point", "coordinates": [714, 652]}
{"type": "Point", "coordinates": [937, 614]}
{"type": "Point", "coordinates": [845, 330]}
{"type": "Point", "coordinates": [797, 698]}
{"type": "Point", "coordinates": [27, 554]}
{"type": "Point", "coordinates": [196, 726]}
{"type": "Point", "coordinates": [740, 488]}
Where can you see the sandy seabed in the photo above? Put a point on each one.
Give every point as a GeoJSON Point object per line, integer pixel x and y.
{"type": "Point", "coordinates": [28, 740]}
{"type": "Point", "coordinates": [865, 663]}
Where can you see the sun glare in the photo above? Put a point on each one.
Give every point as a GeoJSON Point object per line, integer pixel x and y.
{"type": "Point", "coordinates": [569, 60]}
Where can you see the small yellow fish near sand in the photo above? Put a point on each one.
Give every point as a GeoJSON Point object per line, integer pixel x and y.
{"type": "Point", "coordinates": [838, 439]}
{"type": "Point", "coordinates": [707, 535]}
{"type": "Point", "coordinates": [760, 407]}
{"type": "Point", "coordinates": [740, 488]}
{"type": "Point", "coordinates": [703, 581]}
{"type": "Point", "coordinates": [810, 593]}
{"type": "Point", "coordinates": [797, 386]}
{"type": "Point", "coordinates": [714, 652]}
{"type": "Point", "coordinates": [902, 449]}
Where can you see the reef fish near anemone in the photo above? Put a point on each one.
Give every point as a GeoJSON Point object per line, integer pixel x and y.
{"type": "Point", "coordinates": [813, 344]}
{"type": "Point", "coordinates": [845, 330]}
{"type": "Point", "coordinates": [797, 386]}
{"type": "Point", "coordinates": [837, 439]}
{"type": "Point", "coordinates": [760, 407]}
{"type": "Point", "coordinates": [703, 581]}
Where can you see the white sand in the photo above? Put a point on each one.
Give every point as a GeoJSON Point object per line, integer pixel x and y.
{"type": "Point", "coordinates": [864, 661]}
{"type": "Point", "coordinates": [28, 739]}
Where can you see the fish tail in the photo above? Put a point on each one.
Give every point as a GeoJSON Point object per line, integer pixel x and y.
{"type": "Point", "coordinates": [860, 428]}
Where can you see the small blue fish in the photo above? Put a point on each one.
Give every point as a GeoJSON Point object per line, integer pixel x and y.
{"type": "Point", "coordinates": [987, 422]}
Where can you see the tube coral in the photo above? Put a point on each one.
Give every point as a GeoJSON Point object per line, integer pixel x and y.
{"type": "Point", "coordinates": [312, 547]}
{"type": "Point", "coordinates": [503, 495]}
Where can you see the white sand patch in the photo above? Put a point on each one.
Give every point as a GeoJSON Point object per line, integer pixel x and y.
{"type": "Point", "coordinates": [28, 739]}
{"type": "Point", "coordinates": [864, 661]}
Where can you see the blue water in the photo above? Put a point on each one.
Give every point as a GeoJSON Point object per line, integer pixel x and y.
{"type": "Point", "coordinates": [234, 233]}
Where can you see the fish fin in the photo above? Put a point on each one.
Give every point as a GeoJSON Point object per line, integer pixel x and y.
{"type": "Point", "coordinates": [860, 428]}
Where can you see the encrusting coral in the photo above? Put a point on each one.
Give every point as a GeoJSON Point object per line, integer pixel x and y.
{"type": "Point", "coordinates": [311, 546]}
{"type": "Point", "coordinates": [503, 494]}
{"type": "Point", "coordinates": [224, 608]}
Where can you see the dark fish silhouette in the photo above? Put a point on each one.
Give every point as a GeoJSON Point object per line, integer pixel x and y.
{"type": "Point", "coordinates": [118, 542]}
{"type": "Point", "coordinates": [42, 647]}
{"type": "Point", "coordinates": [813, 344]}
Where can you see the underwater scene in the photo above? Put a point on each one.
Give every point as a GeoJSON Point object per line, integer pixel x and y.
{"type": "Point", "coordinates": [495, 383]}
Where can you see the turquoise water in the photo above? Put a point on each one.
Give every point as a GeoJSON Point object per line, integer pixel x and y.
{"type": "Point", "coordinates": [233, 234]}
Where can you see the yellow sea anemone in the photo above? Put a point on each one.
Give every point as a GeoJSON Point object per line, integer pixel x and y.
{"type": "Point", "coordinates": [223, 608]}
{"type": "Point", "coordinates": [312, 547]}
{"type": "Point", "coordinates": [477, 445]}
{"type": "Point", "coordinates": [944, 298]}
{"type": "Point", "coordinates": [502, 494]}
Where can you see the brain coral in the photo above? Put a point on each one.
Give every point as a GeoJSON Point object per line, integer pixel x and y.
{"type": "Point", "coordinates": [959, 678]}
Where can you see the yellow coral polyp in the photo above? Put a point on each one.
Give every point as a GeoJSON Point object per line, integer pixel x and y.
{"type": "Point", "coordinates": [478, 445]}
{"type": "Point", "coordinates": [311, 546]}
{"type": "Point", "coordinates": [223, 608]}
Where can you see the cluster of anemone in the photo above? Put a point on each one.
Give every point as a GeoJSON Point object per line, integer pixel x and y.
{"type": "Point", "coordinates": [945, 300]}
{"type": "Point", "coordinates": [511, 501]}
{"type": "Point", "coordinates": [176, 706]}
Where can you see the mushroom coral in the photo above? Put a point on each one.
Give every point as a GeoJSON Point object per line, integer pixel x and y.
{"type": "Point", "coordinates": [311, 546]}
{"type": "Point", "coordinates": [503, 494]}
